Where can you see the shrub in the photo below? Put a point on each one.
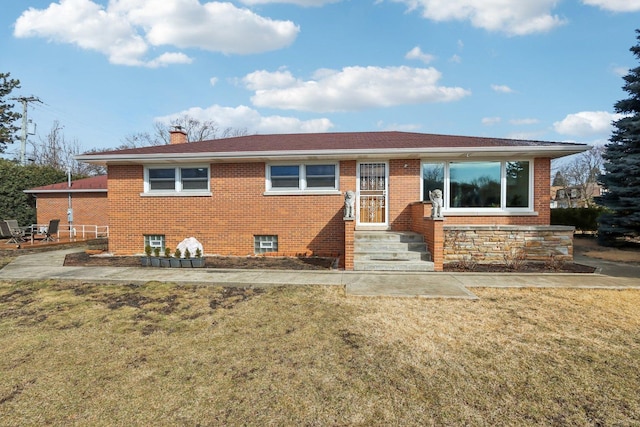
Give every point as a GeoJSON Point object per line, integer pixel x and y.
{"type": "Point", "coordinates": [583, 219]}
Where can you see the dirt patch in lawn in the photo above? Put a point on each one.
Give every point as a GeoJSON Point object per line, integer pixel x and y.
{"type": "Point", "coordinates": [588, 246]}
{"type": "Point", "coordinates": [82, 259]}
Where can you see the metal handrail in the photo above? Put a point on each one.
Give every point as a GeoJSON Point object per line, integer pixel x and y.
{"type": "Point", "coordinates": [74, 231]}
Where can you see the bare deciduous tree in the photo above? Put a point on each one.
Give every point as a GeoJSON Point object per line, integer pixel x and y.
{"type": "Point", "coordinates": [197, 130]}
{"type": "Point", "coordinates": [581, 173]}
{"type": "Point", "coordinates": [58, 152]}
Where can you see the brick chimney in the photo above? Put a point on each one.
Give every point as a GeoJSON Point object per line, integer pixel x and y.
{"type": "Point", "coordinates": [177, 135]}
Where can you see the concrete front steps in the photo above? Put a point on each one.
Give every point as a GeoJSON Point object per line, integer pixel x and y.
{"type": "Point", "coordinates": [390, 251]}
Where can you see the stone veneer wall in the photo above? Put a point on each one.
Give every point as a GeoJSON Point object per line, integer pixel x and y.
{"type": "Point", "coordinates": [490, 244]}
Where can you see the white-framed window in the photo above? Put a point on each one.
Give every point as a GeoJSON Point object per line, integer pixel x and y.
{"type": "Point", "coordinates": [155, 241]}
{"type": "Point", "coordinates": [302, 177]}
{"type": "Point", "coordinates": [480, 186]}
{"type": "Point", "coordinates": [264, 244]}
{"type": "Point", "coordinates": [183, 180]}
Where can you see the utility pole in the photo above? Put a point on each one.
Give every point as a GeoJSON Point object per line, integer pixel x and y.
{"type": "Point", "coordinates": [23, 138]}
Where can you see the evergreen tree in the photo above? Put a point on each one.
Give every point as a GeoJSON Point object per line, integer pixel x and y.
{"type": "Point", "coordinates": [14, 179]}
{"type": "Point", "coordinates": [7, 117]}
{"type": "Point", "coordinates": [559, 180]}
{"type": "Point", "coordinates": [622, 165]}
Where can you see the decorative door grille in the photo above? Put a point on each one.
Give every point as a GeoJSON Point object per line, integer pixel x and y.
{"type": "Point", "coordinates": [373, 193]}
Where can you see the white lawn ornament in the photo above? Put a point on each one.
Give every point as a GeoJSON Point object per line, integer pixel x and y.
{"type": "Point", "coordinates": [436, 202]}
{"type": "Point", "coordinates": [349, 204]}
{"type": "Point", "coordinates": [192, 244]}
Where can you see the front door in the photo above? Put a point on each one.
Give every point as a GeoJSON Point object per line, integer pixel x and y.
{"type": "Point", "coordinates": [372, 194]}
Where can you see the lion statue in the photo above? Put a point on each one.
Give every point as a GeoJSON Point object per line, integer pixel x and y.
{"type": "Point", "coordinates": [349, 204]}
{"type": "Point", "coordinates": [436, 202]}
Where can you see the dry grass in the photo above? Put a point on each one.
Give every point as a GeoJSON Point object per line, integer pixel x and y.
{"type": "Point", "coordinates": [589, 247]}
{"type": "Point", "coordinates": [162, 354]}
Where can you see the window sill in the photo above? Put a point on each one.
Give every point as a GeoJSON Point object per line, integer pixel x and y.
{"type": "Point", "coordinates": [488, 213]}
{"type": "Point", "coordinates": [177, 194]}
{"type": "Point", "coordinates": [302, 193]}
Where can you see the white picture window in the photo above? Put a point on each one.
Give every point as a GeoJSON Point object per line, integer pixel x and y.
{"type": "Point", "coordinates": [480, 185]}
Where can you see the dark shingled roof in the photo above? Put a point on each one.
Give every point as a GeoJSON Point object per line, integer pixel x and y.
{"type": "Point", "coordinates": [93, 184]}
{"type": "Point", "coordinates": [332, 141]}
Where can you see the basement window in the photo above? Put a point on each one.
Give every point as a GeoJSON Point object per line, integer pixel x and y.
{"type": "Point", "coordinates": [155, 241]}
{"type": "Point", "coordinates": [264, 244]}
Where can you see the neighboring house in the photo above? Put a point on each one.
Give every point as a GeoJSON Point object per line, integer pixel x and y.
{"type": "Point", "coordinates": [575, 196]}
{"type": "Point", "coordinates": [87, 199]}
{"type": "Point", "coordinates": [285, 193]}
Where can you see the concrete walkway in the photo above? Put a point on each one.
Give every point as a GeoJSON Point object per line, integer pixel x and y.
{"type": "Point", "coordinates": [49, 265]}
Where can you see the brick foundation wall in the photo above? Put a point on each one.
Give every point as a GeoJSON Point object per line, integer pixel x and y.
{"type": "Point", "coordinates": [432, 231]}
{"type": "Point", "coordinates": [497, 244]}
{"type": "Point", "coordinates": [226, 222]}
{"type": "Point", "coordinates": [88, 208]}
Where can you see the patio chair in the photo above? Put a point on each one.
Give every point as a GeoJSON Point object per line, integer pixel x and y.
{"type": "Point", "coordinates": [5, 233]}
{"type": "Point", "coordinates": [52, 231]}
{"type": "Point", "coordinates": [18, 233]}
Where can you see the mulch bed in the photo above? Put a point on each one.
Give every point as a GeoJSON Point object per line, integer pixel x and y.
{"type": "Point", "coordinates": [82, 259]}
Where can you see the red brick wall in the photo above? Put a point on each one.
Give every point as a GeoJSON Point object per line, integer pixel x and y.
{"type": "Point", "coordinates": [226, 222]}
{"type": "Point", "coordinates": [431, 229]}
{"type": "Point", "coordinates": [88, 208]}
{"type": "Point", "coordinates": [404, 189]}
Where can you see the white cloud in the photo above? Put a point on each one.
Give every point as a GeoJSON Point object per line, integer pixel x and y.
{"type": "Point", "coordinates": [305, 3]}
{"type": "Point", "coordinates": [169, 58]}
{"type": "Point", "coordinates": [501, 89]}
{"type": "Point", "coordinates": [533, 135]}
{"type": "Point", "coordinates": [417, 53]}
{"type": "Point", "coordinates": [490, 121]}
{"type": "Point", "coordinates": [615, 5]}
{"type": "Point", "coordinates": [456, 59]}
{"type": "Point", "coordinates": [513, 17]}
{"type": "Point", "coordinates": [407, 127]}
{"type": "Point", "coordinates": [243, 117]}
{"type": "Point", "coordinates": [524, 122]}
{"type": "Point", "coordinates": [262, 80]}
{"type": "Point", "coordinates": [125, 30]}
{"type": "Point", "coordinates": [586, 123]}
{"type": "Point", "coordinates": [619, 70]}
{"type": "Point", "coordinates": [350, 89]}
{"type": "Point", "coordinates": [213, 81]}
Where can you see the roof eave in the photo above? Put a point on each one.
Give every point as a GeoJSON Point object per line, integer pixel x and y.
{"type": "Point", "coordinates": [399, 153]}
{"type": "Point", "coordinates": [92, 190]}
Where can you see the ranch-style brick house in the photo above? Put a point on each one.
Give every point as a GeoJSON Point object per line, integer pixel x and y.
{"type": "Point", "coordinates": [285, 194]}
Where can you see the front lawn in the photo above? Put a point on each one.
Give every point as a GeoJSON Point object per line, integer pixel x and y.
{"type": "Point", "coordinates": [162, 354]}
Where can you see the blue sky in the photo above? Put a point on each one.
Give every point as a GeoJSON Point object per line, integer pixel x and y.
{"type": "Point", "coordinates": [532, 69]}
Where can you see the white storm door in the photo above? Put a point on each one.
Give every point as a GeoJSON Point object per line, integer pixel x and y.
{"type": "Point", "coordinates": [372, 194]}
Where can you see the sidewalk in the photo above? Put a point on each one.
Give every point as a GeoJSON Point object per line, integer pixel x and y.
{"type": "Point", "coordinates": [49, 265]}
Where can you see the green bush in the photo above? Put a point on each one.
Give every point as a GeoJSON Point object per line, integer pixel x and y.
{"type": "Point", "coordinates": [14, 179]}
{"type": "Point", "coordinates": [583, 219]}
